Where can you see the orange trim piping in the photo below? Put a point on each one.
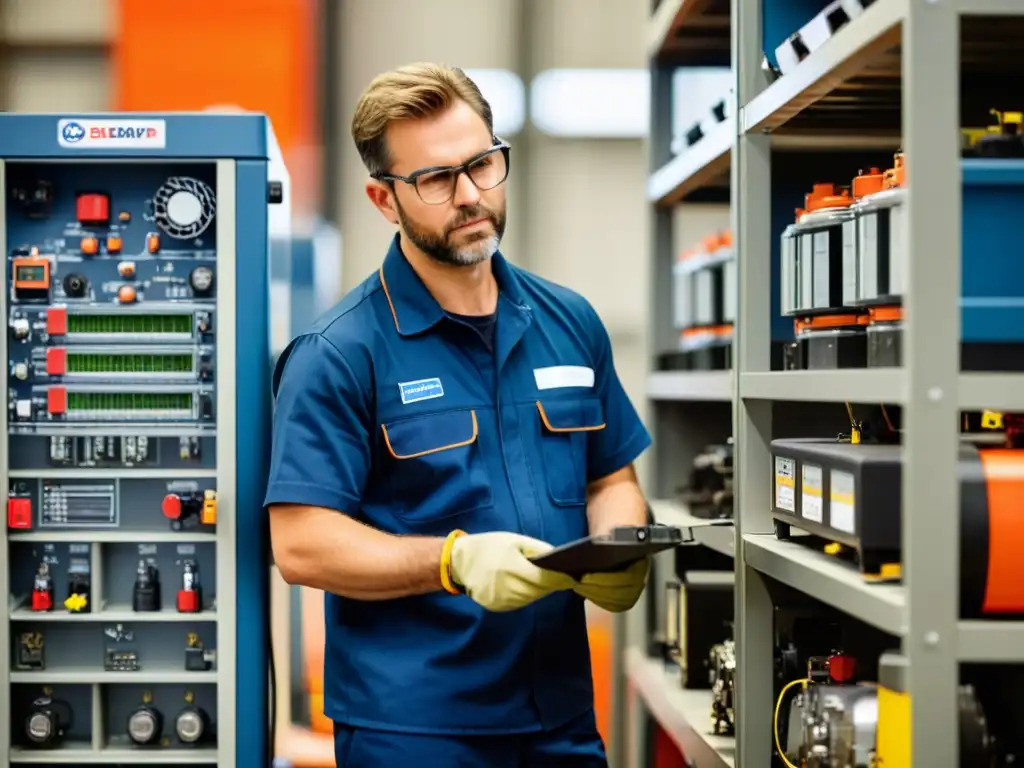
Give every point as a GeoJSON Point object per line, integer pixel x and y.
{"type": "Point", "coordinates": [547, 424]}
{"type": "Point", "coordinates": [462, 444]}
{"type": "Point", "coordinates": [387, 295]}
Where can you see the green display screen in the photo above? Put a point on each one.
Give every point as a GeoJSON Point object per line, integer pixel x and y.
{"type": "Point", "coordinates": [129, 401]}
{"type": "Point", "coordinates": [86, 362]}
{"type": "Point", "coordinates": [31, 274]}
{"type": "Point", "coordinates": [130, 322]}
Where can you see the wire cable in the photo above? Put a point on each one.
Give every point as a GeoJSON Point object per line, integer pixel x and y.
{"type": "Point", "coordinates": [775, 719]}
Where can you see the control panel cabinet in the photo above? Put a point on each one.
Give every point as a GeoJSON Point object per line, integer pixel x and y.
{"type": "Point", "coordinates": [137, 377]}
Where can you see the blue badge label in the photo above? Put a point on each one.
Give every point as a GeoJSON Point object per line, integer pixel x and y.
{"type": "Point", "coordinates": [423, 389]}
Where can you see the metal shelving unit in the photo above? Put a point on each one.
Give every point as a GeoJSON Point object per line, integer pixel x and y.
{"type": "Point", "coordinates": [879, 73]}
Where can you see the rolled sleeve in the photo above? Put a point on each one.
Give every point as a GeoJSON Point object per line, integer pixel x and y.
{"type": "Point", "coordinates": [321, 444]}
{"type": "Point", "coordinates": [624, 437]}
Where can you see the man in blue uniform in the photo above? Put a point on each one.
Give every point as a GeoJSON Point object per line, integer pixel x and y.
{"type": "Point", "coordinates": [452, 417]}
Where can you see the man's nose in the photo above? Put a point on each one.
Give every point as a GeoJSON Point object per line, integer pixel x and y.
{"type": "Point", "coordinates": [466, 193]}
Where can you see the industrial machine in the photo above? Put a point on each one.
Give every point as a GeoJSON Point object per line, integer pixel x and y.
{"type": "Point", "coordinates": [704, 304]}
{"type": "Point", "coordinates": [137, 367]}
{"type": "Point", "coordinates": [849, 493]}
{"type": "Point", "coordinates": [710, 490]}
{"type": "Point", "coordinates": [833, 721]}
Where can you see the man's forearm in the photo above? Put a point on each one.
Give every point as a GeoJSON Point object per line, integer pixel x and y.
{"type": "Point", "coordinates": [616, 501]}
{"type": "Point", "coordinates": [327, 550]}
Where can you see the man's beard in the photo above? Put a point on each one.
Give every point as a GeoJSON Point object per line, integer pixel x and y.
{"type": "Point", "coordinates": [478, 247]}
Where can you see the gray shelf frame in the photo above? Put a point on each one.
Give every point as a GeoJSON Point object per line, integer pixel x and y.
{"type": "Point", "coordinates": [918, 614]}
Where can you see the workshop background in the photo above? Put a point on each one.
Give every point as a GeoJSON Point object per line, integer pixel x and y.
{"type": "Point", "coordinates": [569, 85]}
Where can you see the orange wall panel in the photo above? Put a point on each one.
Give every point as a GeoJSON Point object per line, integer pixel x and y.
{"type": "Point", "coordinates": [189, 55]}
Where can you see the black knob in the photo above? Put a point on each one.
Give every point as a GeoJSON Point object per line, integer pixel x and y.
{"type": "Point", "coordinates": [75, 285]}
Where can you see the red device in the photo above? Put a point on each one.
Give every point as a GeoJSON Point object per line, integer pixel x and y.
{"type": "Point", "coordinates": [190, 596]}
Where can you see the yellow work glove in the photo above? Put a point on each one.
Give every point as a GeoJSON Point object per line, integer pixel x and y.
{"type": "Point", "coordinates": [494, 570]}
{"type": "Point", "coordinates": [617, 591]}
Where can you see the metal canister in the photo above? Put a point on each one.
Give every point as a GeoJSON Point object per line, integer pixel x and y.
{"type": "Point", "coordinates": [865, 184]}
{"type": "Point", "coordinates": [682, 297]}
{"type": "Point", "coordinates": [819, 255]}
{"type": "Point", "coordinates": [881, 254]}
{"type": "Point", "coordinates": [788, 273]}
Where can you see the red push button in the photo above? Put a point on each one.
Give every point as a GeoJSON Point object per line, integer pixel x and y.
{"type": "Point", "coordinates": [56, 361]}
{"type": "Point", "coordinates": [93, 208]}
{"type": "Point", "coordinates": [172, 506]}
{"type": "Point", "coordinates": [19, 514]}
{"type": "Point", "coordinates": [57, 400]}
{"type": "Point", "coordinates": [57, 321]}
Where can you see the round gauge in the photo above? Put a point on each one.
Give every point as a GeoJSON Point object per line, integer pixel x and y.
{"type": "Point", "coordinates": [201, 280]}
{"type": "Point", "coordinates": [184, 207]}
{"type": "Point", "coordinates": [189, 726]}
{"type": "Point", "coordinates": [39, 727]}
{"type": "Point", "coordinates": [142, 726]}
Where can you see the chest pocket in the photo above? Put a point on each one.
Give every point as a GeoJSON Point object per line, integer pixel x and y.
{"type": "Point", "coordinates": [436, 469]}
{"type": "Point", "coordinates": [564, 427]}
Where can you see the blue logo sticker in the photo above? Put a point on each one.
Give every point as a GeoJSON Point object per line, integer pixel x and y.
{"type": "Point", "coordinates": [424, 389]}
{"type": "Point", "coordinates": [73, 132]}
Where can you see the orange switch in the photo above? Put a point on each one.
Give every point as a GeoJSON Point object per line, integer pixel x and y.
{"type": "Point", "coordinates": [113, 244]}
{"type": "Point", "coordinates": [153, 243]}
{"type": "Point", "coordinates": [56, 361]}
{"type": "Point", "coordinates": [57, 400]}
{"type": "Point", "coordinates": [57, 321]}
{"type": "Point", "coordinates": [126, 294]}
{"type": "Point", "coordinates": [90, 246]}
{"type": "Point", "coordinates": [209, 513]}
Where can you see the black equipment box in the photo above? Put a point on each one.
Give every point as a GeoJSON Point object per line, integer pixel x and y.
{"type": "Point", "coordinates": [699, 616]}
{"type": "Point", "coordinates": [843, 492]}
{"type": "Point", "coordinates": [852, 494]}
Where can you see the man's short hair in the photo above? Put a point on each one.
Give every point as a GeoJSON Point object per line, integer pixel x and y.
{"type": "Point", "coordinates": [409, 92]}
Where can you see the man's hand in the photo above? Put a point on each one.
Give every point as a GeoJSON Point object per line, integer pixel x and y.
{"type": "Point", "coordinates": [494, 570]}
{"type": "Point", "coordinates": [617, 591]}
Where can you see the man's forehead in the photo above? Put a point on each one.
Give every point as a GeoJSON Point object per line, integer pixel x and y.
{"type": "Point", "coordinates": [442, 140]}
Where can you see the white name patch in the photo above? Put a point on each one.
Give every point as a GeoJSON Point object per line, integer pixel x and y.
{"type": "Point", "coordinates": [559, 376]}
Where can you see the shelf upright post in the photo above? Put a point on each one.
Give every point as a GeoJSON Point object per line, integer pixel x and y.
{"type": "Point", "coordinates": [752, 420]}
{"type": "Point", "coordinates": [931, 84]}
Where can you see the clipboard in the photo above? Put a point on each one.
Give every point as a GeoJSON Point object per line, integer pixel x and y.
{"type": "Point", "coordinates": [616, 550]}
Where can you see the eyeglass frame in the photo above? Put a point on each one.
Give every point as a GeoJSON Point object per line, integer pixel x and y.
{"type": "Point", "coordinates": [458, 170]}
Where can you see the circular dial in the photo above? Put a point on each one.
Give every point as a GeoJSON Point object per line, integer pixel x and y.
{"type": "Point", "coordinates": [184, 207]}
{"type": "Point", "coordinates": [142, 726]}
{"type": "Point", "coordinates": [39, 727]}
{"type": "Point", "coordinates": [201, 279]}
{"type": "Point", "coordinates": [189, 726]}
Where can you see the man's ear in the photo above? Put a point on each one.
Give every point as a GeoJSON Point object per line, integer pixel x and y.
{"type": "Point", "coordinates": [382, 197]}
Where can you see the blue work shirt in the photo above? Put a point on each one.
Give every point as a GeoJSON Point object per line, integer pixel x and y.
{"type": "Point", "coordinates": [398, 415]}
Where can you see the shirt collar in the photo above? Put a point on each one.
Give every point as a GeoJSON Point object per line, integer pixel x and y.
{"type": "Point", "coordinates": [413, 308]}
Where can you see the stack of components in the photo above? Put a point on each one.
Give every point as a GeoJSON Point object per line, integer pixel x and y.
{"type": "Point", "coordinates": [710, 494]}
{"type": "Point", "coordinates": [704, 303]}
{"type": "Point", "coordinates": [849, 493]}
{"type": "Point", "coordinates": [844, 265]}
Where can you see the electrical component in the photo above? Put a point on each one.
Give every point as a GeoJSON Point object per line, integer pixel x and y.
{"type": "Point", "coordinates": [722, 676]}
{"type": "Point", "coordinates": [190, 596]}
{"type": "Point", "coordinates": [145, 723]}
{"type": "Point", "coordinates": [19, 513]}
{"type": "Point", "coordinates": [92, 208]}
{"type": "Point", "coordinates": [48, 720]}
{"type": "Point", "coordinates": [79, 585]}
{"type": "Point", "coordinates": [191, 724]}
{"type": "Point", "coordinates": [146, 590]}
{"type": "Point", "coordinates": [42, 589]}
{"type": "Point", "coordinates": [30, 654]}
{"type": "Point", "coordinates": [201, 280]}
{"type": "Point", "coordinates": [197, 658]}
